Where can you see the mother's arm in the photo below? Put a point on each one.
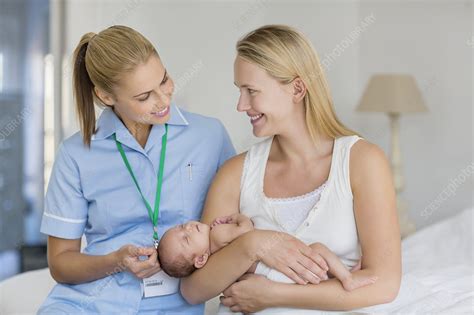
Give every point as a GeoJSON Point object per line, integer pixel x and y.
{"type": "Point", "coordinates": [295, 259]}
{"type": "Point", "coordinates": [229, 263]}
{"type": "Point", "coordinates": [377, 224]}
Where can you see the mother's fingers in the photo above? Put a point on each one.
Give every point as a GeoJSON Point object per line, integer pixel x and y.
{"type": "Point", "coordinates": [313, 267]}
{"type": "Point", "coordinates": [305, 274]}
{"type": "Point", "coordinates": [290, 273]}
{"type": "Point", "coordinates": [316, 257]}
{"type": "Point", "coordinates": [236, 308]}
{"type": "Point", "coordinates": [320, 263]}
{"type": "Point", "coordinates": [227, 301]}
{"type": "Point", "coordinates": [245, 276]}
{"type": "Point", "coordinates": [227, 291]}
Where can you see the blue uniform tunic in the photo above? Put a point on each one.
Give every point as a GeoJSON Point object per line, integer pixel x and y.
{"type": "Point", "coordinates": [91, 192]}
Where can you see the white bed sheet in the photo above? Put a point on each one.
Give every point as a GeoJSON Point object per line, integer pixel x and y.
{"type": "Point", "coordinates": [438, 275]}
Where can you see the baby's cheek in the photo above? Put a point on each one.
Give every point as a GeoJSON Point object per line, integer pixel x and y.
{"type": "Point", "coordinates": [205, 242]}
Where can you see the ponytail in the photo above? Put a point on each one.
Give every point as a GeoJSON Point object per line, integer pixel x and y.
{"type": "Point", "coordinates": [83, 90]}
{"type": "Point", "coordinates": [99, 61]}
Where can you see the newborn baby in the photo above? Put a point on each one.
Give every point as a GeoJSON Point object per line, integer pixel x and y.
{"type": "Point", "coordinates": [186, 247]}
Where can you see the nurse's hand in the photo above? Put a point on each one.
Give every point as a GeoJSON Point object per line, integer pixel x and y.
{"type": "Point", "coordinates": [128, 259]}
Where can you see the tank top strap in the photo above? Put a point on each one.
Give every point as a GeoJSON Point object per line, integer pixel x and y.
{"type": "Point", "coordinates": [254, 170]}
{"type": "Point", "coordinates": [341, 163]}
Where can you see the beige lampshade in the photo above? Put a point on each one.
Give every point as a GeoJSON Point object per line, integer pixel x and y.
{"type": "Point", "coordinates": [392, 93]}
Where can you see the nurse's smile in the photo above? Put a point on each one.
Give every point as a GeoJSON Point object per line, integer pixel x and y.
{"type": "Point", "coordinates": [162, 113]}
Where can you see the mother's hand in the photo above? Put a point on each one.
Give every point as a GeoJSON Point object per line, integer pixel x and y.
{"type": "Point", "coordinates": [249, 294]}
{"type": "Point", "coordinates": [291, 257]}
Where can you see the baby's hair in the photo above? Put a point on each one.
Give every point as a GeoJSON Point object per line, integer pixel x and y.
{"type": "Point", "coordinates": [174, 265]}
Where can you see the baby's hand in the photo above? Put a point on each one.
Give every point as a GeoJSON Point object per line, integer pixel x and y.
{"type": "Point", "coordinates": [221, 220]}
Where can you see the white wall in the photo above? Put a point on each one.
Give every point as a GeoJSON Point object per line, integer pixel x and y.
{"type": "Point", "coordinates": [427, 39]}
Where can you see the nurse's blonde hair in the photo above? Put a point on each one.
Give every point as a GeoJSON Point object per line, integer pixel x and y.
{"type": "Point", "coordinates": [285, 54]}
{"type": "Point", "coordinates": [99, 61]}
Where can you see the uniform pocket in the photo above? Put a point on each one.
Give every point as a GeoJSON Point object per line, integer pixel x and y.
{"type": "Point", "coordinates": [195, 181]}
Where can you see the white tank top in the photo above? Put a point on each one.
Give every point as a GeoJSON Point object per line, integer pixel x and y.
{"type": "Point", "coordinates": [329, 221]}
{"type": "Point", "coordinates": [292, 211]}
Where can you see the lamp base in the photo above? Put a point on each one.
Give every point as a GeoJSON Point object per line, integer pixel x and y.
{"type": "Point", "coordinates": [407, 226]}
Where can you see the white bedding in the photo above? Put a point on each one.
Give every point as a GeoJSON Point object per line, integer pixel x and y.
{"type": "Point", "coordinates": [438, 275]}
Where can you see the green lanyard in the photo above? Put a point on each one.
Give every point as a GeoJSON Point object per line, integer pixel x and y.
{"type": "Point", "coordinates": [153, 214]}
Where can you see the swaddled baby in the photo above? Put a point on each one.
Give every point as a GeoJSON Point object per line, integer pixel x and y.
{"type": "Point", "coordinates": [187, 247]}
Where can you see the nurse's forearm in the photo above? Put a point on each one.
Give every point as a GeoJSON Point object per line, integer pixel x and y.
{"type": "Point", "coordinates": [222, 269]}
{"type": "Point", "coordinates": [74, 267]}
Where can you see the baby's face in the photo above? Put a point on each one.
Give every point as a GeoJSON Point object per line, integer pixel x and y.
{"type": "Point", "coordinates": [191, 239]}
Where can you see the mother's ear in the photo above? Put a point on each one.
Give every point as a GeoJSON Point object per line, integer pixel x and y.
{"type": "Point", "coordinates": [104, 97]}
{"type": "Point", "coordinates": [299, 90]}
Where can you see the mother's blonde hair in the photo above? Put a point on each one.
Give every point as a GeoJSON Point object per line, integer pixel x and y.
{"type": "Point", "coordinates": [285, 54]}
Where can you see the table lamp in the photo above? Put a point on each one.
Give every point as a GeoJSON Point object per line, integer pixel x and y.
{"type": "Point", "coordinates": [394, 94]}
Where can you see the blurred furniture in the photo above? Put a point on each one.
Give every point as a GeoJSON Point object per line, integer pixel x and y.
{"type": "Point", "coordinates": [12, 204]}
{"type": "Point", "coordinates": [24, 293]}
{"type": "Point", "coordinates": [33, 257]}
{"type": "Point", "coordinates": [24, 41]}
{"type": "Point", "coordinates": [394, 94]}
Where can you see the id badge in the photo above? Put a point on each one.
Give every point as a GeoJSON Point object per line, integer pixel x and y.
{"type": "Point", "coordinates": [160, 284]}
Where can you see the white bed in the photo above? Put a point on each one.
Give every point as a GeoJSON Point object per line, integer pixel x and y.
{"type": "Point", "coordinates": [438, 275]}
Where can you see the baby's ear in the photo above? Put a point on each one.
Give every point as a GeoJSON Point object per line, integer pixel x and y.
{"type": "Point", "coordinates": [200, 261]}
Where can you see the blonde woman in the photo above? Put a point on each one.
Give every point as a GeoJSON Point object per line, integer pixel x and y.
{"type": "Point", "coordinates": [145, 165]}
{"type": "Point", "coordinates": [312, 180]}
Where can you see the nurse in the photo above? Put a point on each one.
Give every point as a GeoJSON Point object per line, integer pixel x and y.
{"type": "Point", "coordinates": [145, 165]}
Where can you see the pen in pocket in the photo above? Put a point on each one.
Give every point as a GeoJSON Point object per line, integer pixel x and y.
{"type": "Point", "coordinates": [190, 169]}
